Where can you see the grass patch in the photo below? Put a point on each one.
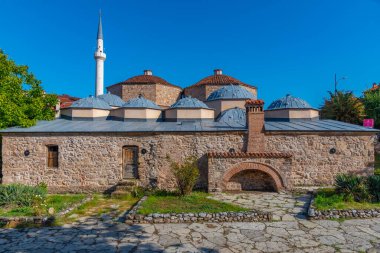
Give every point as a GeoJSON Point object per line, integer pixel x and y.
{"type": "Point", "coordinates": [377, 164]}
{"type": "Point", "coordinates": [328, 199]}
{"type": "Point", "coordinates": [58, 201]}
{"type": "Point", "coordinates": [100, 204]}
{"type": "Point", "coordinates": [196, 202]}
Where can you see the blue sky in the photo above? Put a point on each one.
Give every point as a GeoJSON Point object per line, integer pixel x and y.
{"type": "Point", "coordinates": [281, 46]}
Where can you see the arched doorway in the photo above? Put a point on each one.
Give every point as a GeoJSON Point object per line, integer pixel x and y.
{"type": "Point", "coordinates": [251, 177]}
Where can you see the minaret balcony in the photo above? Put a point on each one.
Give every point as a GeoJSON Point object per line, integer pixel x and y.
{"type": "Point", "coordinates": [100, 55]}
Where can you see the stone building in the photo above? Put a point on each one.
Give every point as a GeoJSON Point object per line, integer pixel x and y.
{"type": "Point", "coordinates": [100, 141]}
{"type": "Point", "coordinates": [151, 87]}
{"type": "Point", "coordinates": [238, 150]}
{"type": "Point", "coordinates": [203, 88]}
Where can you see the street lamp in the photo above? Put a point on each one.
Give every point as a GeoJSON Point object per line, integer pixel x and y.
{"type": "Point", "coordinates": [337, 81]}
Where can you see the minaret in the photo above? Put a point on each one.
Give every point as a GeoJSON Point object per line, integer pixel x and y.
{"type": "Point", "coordinates": [100, 57]}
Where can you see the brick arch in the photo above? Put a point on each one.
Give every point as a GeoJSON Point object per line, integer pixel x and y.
{"type": "Point", "coordinates": [252, 166]}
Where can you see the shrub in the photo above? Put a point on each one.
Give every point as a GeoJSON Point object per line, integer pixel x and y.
{"type": "Point", "coordinates": [20, 195]}
{"type": "Point", "coordinates": [352, 187]}
{"type": "Point", "coordinates": [186, 174]}
{"type": "Point", "coordinates": [373, 183]}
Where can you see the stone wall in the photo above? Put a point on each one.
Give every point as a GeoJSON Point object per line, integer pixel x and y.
{"type": "Point", "coordinates": [167, 95]}
{"type": "Point", "coordinates": [313, 164]}
{"type": "Point", "coordinates": [93, 162]}
{"type": "Point", "coordinates": [134, 90]}
{"type": "Point", "coordinates": [116, 90]}
{"type": "Point", "coordinates": [162, 95]}
{"type": "Point", "coordinates": [197, 92]}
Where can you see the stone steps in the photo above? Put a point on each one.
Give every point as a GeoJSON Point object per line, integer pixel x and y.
{"type": "Point", "coordinates": [124, 187]}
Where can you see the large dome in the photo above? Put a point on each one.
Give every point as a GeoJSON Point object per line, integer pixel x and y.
{"type": "Point", "coordinates": [140, 102]}
{"type": "Point", "coordinates": [220, 79]}
{"type": "Point", "coordinates": [91, 103]}
{"type": "Point", "coordinates": [147, 78]}
{"type": "Point", "coordinates": [112, 100]}
{"type": "Point", "coordinates": [234, 115]}
{"type": "Point", "coordinates": [289, 102]}
{"type": "Point", "coordinates": [231, 92]}
{"type": "Point", "coordinates": [189, 102]}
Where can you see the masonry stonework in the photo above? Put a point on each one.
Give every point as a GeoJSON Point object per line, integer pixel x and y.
{"type": "Point", "coordinates": [93, 162]}
{"type": "Point", "coordinates": [167, 95]}
{"type": "Point", "coordinates": [313, 162]}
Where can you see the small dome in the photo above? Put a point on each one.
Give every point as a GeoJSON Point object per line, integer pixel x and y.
{"type": "Point", "coordinates": [289, 102]}
{"type": "Point", "coordinates": [91, 103]}
{"type": "Point", "coordinates": [189, 102]}
{"type": "Point", "coordinates": [140, 102]}
{"type": "Point", "coordinates": [112, 100]}
{"type": "Point", "coordinates": [234, 115]}
{"type": "Point", "coordinates": [231, 92]}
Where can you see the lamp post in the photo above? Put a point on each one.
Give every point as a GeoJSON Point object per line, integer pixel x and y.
{"type": "Point", "coordinates": [336, 81]}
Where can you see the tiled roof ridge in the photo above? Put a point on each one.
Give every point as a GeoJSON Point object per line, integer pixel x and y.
{"type": "Point", "coordinates": [220, 79]}
{"type": "Point", "coordinates": [146, 79]}
{"type": "Point", "coordinates": [249, 154]}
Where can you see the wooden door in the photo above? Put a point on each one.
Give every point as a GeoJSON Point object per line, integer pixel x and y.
{"type": "Point", "coordinates": [130, 162]}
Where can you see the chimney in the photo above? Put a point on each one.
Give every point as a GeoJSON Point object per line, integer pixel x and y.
{"type": "Point", "coordinates": [218, 72]}
{"type": "Point", "coordinates": [148, 72]}
{"type": "Point", "coordinates": [255, 125]}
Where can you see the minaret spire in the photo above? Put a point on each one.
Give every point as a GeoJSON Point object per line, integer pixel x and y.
{"type": "Point", "coordinates": [100, 57]}
{"type": "Point", "coordinates": [100, 28]}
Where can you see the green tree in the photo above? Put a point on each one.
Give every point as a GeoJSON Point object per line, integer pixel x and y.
{"type": "Point", "coordinates": [22, 99]}
{"type": "Point", "coordinates": [371, 101]}
{"type": "Point", "coordinates": [343, 106]}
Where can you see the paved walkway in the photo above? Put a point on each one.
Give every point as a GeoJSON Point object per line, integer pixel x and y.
{"type": "Point", "coordinates": [284, 206]}
{"type": "Point", "coordinates": [93, 235]}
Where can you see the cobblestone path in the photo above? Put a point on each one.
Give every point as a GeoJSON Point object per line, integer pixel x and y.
{"type": "Point", "coordinates": [284, 206]}
{"type": "Point", "coordinates": [93, 235]}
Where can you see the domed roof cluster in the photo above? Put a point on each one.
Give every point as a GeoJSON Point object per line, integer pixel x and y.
{"type": "Point", "coordinates": [234, 115]}
{"type": "Point", "coordinates": [289, 102]}
{"type": "Point", "coordinates": [91, 103]}
{"type": "Point", "coordinates": [231, 92]}
{"type": "Point", "coordinates": [189, 102]}
{"type": "Point", "coordinates": [112, 100]}
{"type": "Point", "coordinates": [140, 102]}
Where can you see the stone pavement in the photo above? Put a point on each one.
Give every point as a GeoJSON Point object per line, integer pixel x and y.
{"type": "Point", "coordinates": [94, 235]}
{"type": "Point", "coordinates": [285, 206]}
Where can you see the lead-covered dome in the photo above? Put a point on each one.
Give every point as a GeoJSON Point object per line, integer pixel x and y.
{"type": "Point", "coordinates": [91, 103]}
{"type": "Point", "coordinates": [289, 102]}
{"type": "Point", "coordinates": [234, 115]}
{"type": "Point", "coordinates": [140, 102]}
{"type": "Point", "coordinates": [112, 100]}
{"type": "Point", "coordinates": [231, 92]}
{"type": "Point", "coordinates": [189, 102]}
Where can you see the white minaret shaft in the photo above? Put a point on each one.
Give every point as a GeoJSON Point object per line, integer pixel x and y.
{"type": "Point", "coordinates": [100, 57]}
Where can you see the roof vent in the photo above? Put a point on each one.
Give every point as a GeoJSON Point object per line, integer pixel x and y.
{"type": "Point", "coordinates": [218, 72]}
{"type": "Point", "coordinates": [148, 72]}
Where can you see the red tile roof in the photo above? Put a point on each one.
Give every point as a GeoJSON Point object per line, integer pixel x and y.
{"type": "Point", "coordinates": [254, 102]}
{"type": "Point", "coordinates": [375, 86]}
{"type": "Point", "coordinates": [66, 100]}
{"type": "Point", "coordinates": [248, 155]}
{"type": "Point", "coordinates": [220, 79]}
{"type": "Point", "coordinates": [146, 79]}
